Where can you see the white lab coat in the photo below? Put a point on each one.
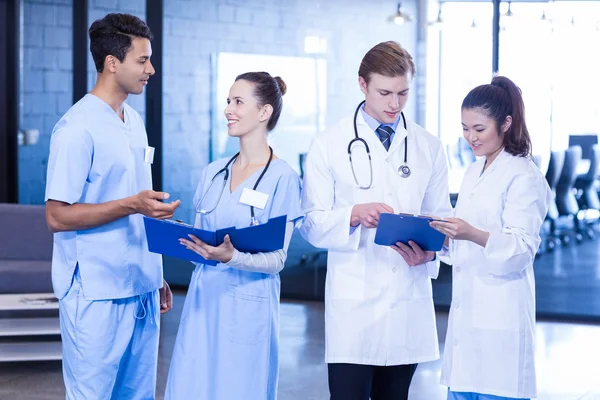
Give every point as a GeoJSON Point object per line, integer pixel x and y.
{"type": "Point", "coordinates": [491, 332]}
{"type": "Point", "coordinates": [378, 310]}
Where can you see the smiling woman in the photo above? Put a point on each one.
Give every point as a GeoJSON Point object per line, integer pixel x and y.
{"type": "Point", "coordinates": [236, 303]}
{"type": "Point", "coordinates": [493, 239]}
{"type": "Point", "coordinates": [497, 113]}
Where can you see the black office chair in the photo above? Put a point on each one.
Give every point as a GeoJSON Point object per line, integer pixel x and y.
{"type": "Point", "coordinates": [587, 195]}
{"type": "Point", "coordinates": [566, 201]}
{"type": "Point", "coordinates": [555, 165]}
{"type": "Point", "coordinates": [585, 184]}
{"type": "Point", "coordinates": [586, 141]}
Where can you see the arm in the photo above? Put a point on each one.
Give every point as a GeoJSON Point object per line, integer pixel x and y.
{"type": "Point", "coordinates": [69, 164]}
{"type": "Point", "coordinates": [437, 201]}
{"type": "Point", "coordinates": [266, 263]}
{"type": "Point", "coordinates": [514, 248]}
{"type": "Point", "coordinates": [286, 201]}
{"type": "Point", "coordinates": [61, 216]}
{"type": "Point", "coordinates": [325, 226]}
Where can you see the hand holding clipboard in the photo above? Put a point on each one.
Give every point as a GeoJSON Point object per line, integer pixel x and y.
{"type": "Point", "coordinates": [404, 228]}
{"type": "Point", "coordinates": [164, 238]}
{"type": "Point", "coordinates": [458, 229]}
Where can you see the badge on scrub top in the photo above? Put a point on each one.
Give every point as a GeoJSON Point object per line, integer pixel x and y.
{"type": "Point", "coordinates": [253, 198]}
{"type": "Point", "coordinates": [149, 155]}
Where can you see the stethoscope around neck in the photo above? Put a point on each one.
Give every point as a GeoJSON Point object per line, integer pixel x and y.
{"type": "Point", "coordinates": [403, 170]}
{"type": "Point", "coordinates": [225, 172]}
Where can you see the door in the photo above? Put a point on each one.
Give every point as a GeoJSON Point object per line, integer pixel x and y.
{"type": "Point", "coordinates": [9, 99]}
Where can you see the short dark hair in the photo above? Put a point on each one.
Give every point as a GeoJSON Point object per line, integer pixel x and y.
{"type": "Point", "coordinates": [498, 100]}
{"type": "Point", "coordinates": [267, 90]}
{"type": "Point", "coordinates": [112, 36]}
{"type": "Point", "coordinates": [387, 59]}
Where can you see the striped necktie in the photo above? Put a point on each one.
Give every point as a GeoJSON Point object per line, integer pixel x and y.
{"type": "Point", "coordinates": [385, 135]}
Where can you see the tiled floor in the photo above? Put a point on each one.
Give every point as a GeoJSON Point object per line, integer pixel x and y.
{"type": "Point", "coordinates": [568, 364]}
{"type": "Point", "coordinates": [567, 283]}
{"type": "Point", "coordinates": [568, 353]}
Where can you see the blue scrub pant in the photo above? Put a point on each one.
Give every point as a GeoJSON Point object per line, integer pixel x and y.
{"type": "Point", "coordinates": [110, 347]}
{"type": "Point", "coordinates": [476, 396]}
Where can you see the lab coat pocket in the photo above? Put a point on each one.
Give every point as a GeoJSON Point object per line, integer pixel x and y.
{"type": "Point", "coordinates": [245, 318]}
{"type": "Point", "coordinates": [495, 303]}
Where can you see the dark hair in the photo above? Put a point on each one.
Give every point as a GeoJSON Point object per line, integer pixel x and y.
{"type": "Point", "coordinates": [498, 100]}
{"type": "Point", "coordinates": [387, 59]}
{"type": "Point", "coordinates": [112, 36]}
{"type": "Point", "coordinates": [267, 90]}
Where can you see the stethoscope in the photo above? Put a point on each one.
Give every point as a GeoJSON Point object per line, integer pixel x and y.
{"type": "Point", "coordinates": [403, 170]}
{"type": "Point", "coordinates": [225, 171]}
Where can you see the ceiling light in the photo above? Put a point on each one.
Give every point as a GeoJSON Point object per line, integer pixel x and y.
{"type": "Point", "coordinates": [400, 16]}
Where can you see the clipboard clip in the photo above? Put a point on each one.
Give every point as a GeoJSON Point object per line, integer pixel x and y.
{"type": "Point", "coordinates": [178, 221]}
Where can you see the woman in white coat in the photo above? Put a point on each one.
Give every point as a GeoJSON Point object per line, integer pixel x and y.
{"type": "Point", "coordinates": [503, 200]}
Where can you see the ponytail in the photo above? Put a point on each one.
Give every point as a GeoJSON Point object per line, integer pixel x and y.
{"type": "Point", "coordinates": [500, 99]}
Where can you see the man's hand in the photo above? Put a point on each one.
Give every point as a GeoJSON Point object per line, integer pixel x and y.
{"type": "Point", "coordinates": [413, 254]}
{"type": "Point", "coordinates": [368, 214]}
{"type": "Point", "coordinates": [222, 253]}
{"type": "Point", "coordinates": [148, 203]}
{"type": "Point", "coordinates": [166, 298]}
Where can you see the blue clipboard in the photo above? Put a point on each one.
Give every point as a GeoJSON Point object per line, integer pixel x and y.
{"type": "Point", "coordinates": [163, 238]}
{"type": "Point", "coordinates": [394, 228]}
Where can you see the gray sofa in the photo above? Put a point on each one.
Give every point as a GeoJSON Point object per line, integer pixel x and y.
{"type": "Point", "coordinates": [25, 250]}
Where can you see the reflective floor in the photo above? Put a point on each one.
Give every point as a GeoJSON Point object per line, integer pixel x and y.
{"type": "Point", "coordinates": [567, 283]}
{"type": "Point", "coordinates": [568, 361]}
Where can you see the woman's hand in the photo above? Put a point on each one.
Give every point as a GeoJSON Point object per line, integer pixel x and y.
{"type": "Point", "coordinates": [223, 253]}
{"type": "Point", "coordinates": [458, 229]}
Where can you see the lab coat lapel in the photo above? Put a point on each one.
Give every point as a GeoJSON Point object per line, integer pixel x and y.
{"type": "Point", "coordinates": [398, 141]}
{"type": "Point", "coordinates": [489, 171]}
{"type": "Point", "coordinates": [369, 135]}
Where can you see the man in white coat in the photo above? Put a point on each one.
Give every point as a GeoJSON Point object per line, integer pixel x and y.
{"type": "Point", "coordinates": [379, 314]}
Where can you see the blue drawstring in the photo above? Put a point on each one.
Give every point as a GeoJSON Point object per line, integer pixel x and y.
{"type": "Point", "coordinates": [142, 304]}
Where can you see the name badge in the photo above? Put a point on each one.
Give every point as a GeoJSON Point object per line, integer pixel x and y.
{"type": "Point", "coordinates": [253, 198]}
{"type": "Point", "coordinates": [149, 155]}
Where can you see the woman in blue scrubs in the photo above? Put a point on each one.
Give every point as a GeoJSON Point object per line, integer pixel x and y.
{"type": "Point", "coordinates": [227, 343]}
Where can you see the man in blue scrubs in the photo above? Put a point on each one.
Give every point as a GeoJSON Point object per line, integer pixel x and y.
{"type": "Point", "coordinates": [110, 287]}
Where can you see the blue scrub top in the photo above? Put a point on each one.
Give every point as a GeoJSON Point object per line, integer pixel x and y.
{"type": "Point", "coordinates": [280, 182]}
{"type": "Point", "coordinates": [227, 342]}
{"type": "Point", "coordinates": [95, 157]}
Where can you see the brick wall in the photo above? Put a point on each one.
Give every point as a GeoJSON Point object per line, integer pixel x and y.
{"type": "Point", "coordinates": [46, 92]}
{"type": "Point", "coordinates": [193, 30]}
{"type": "Point", "coordinates": [196, 29]}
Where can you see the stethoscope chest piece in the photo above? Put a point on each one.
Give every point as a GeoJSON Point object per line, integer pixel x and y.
{"type": "Point", "coordinates": [404, 171]}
